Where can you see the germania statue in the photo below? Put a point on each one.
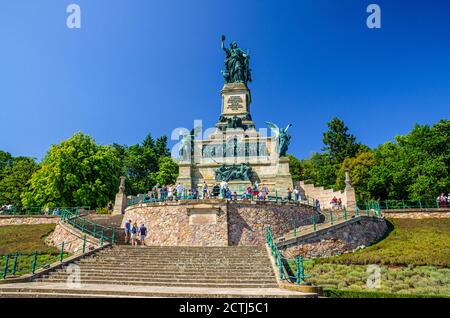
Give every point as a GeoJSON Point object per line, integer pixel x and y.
{"type": "Point", "coordinates": [237, 64]}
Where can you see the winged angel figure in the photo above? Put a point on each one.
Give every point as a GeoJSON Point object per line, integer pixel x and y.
{"type": "Point", "coordinates": [282, 138]}
{"type": "Point", "coordinates": [187, 143]}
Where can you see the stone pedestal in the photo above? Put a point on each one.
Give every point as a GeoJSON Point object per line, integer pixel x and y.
{"type": "Point", "coordinates": [349, 192]}
{"type": "Point", "coordinates": [120, 204]}
{"type": "Point", "coordinates": [121, 199]}
{"type": "Point", "coordinates": [236, 141]}
{"type": "Point", "coordinates": [185, 174]}
{"type": "Point", "coordinates": [236, 101]}
{"type": "Point", "coordinates": [283, 176]}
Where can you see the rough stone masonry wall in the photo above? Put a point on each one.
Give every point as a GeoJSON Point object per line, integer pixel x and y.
{"type": "Point", "coordinates": [236, 224]}
{"type": "Point", "coordinates": [27, 220]}
{"type": "Point", "coordinates": [247, 221]}
{"type": "Point", "coordinates": [168, 225]}
{"type": "Point", "coordinates": [340, 239]}
{"type": "Point", "coordinates": [417, 214]}
{"type": "Point", "coordinates": [72, 238]}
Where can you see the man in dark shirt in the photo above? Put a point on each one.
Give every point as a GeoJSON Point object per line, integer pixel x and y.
{"type": "Point", "coordinates": [142, 233]}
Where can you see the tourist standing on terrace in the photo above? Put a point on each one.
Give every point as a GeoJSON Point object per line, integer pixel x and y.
{"type": "Point", "coordinates": [333, 203]}
{"type": "Point", "coordinates": [127, 229]}
{"type": "Point", "coordinates": [170, 192]}
{"type": "Point", "coordinates": [255, 190]}
{"type": "Point", "coordinates": [317, 205]}
{"type": "Point", "coordinates": [289, 194]}
{"type": "Point", "coordinates": [297, 194]}
{"type": "Point", "coordinates": [442, 201]}
{"type": "Point", "coordinates": [134, 233]}
{"type": "Point", "coordinates": [264, 191]}
{"type": "Point", "coordinates": [110, 207]}
{"type": "Point", "coordinates": [179, 189]}
{"type": "Point", "coordinates": [204, 190]}
{"type": "Point", "coordinates": [142, 234]}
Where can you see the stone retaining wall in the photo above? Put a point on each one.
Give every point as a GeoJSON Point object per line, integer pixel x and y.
{"type": "Point", "coordinates": [339, 239]}
{"type": "Point", "coordinates": [247, 222]}
{"type": "Point", "coordinates": [27, 220]}
{"type": "Point", "coordinates": [215, 222]}
{"type": "Point", "coordinates": [417, 214]}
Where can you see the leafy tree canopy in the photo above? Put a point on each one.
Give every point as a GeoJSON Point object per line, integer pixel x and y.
{"type": "Point", "coordinates": [15, 179]}
{"type": "Point", "coordinates": [77, 172]}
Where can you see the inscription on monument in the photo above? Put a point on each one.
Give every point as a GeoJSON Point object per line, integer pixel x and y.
{"type": "Point", "coordinates": [202, 216]}
{"type": "Point", "coordinates": [235, 102]}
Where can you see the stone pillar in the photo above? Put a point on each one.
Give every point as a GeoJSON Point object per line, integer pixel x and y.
{"type": "Point", "coordinates": [185, 174]}
{"type": "Point", "coordinates": [283, 177]}
{"type": "Point", "coordinates": [121, 199]}
{"type": "Point", "coordinates": [349, 192]}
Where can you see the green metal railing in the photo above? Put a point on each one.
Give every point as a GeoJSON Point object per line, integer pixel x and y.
{"type": "Point", "coordinates": [402, 204]}
{"type": "Point", "coordinates": [145, 198]}
{"type": "Point", "coordinates": [86, 226]}
{"type": "Point", "coordinates": [37, 210]}
{"type": "Point", "coordinates": [17, 264]}
{"type": "Point", "coordinates": [282, 262]}
{"type": "Point", "coordinates": [328, 218]}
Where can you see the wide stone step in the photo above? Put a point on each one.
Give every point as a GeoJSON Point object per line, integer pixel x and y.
{"type": "Point", "coordinates": [159, 269]}
{"type": "Point", "coordinates": [169, 283]}
{"type": "Point", "coordinates": [162, 276]}
{"type": "Point", "coordinates": [58, 294]}
{"type": "Point", "coordinates": [132, 279]}
{"type": "Point", "coordinates": [258, 272]}
{"type": "Point", "coordinates": [120, 264]}
{"type": "Point", "coordinates": [196, 255]}
{"type": "Point", "coordinates": [181, 256]}
{"type": "Point", "coordinates": [119, 291]}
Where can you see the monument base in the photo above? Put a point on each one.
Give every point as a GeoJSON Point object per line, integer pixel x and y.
{"type": "Point", "coordinates": [120, 204]}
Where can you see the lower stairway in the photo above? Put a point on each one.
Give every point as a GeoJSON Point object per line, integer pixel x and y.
{"type": "Point", "coordinates": [125, 271]}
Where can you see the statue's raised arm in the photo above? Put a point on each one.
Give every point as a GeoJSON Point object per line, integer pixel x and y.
{"type": "Point", "coordinates": [222, 43]}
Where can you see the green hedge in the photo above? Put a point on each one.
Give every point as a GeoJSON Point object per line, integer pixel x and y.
{"type": "Point", "coordinates": [337, 293]}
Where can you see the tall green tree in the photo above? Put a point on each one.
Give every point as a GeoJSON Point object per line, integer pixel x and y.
{"type": "Point", "coordinates": [15, 181]}
{"type": "Point", "coordinates": [339, 143]}
{"type": "Point", "coordinates": [5, 160]}
{"type": "Point", "coordinates": [167, 172]}
{"type": "Point", "coordinates": [416, 166]}
{"type": "Point", "coordinates": [75, 172]}
{"type": "Point", "coordinates": [141, 164]}
{"type": "Point", "coordinates": [360, 167]}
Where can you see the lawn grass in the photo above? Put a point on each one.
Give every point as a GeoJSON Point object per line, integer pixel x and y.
{"type": "Point", "coordinates": [412, 280]}
{"type": "Point", "coordinates": [414, 259]}
{"type": "Point", "coordinates": [336, 293]}
{"type": "Point", "coordinates": [410, 243]}
{"type": "Point", "coordinates": [26, 239]}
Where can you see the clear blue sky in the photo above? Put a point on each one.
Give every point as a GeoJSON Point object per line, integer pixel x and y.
{"type": "Point", "coordinates": [150, 66]}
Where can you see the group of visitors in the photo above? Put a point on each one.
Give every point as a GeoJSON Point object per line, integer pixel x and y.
{"type": "Point", "coordinates": [133, 233]}
{"type": "Point", "coordinates": [444, 201]}
{"type": "Point", "coordinates": [170, 192]}
{"type": "Point", "coordinates": [336, 204]}
{"type": "Point", "coordinates": [6, 208]}
{"type": "Point", "coordinates": [255, 191]}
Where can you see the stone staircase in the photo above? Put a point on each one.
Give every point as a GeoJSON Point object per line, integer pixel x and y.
{"type": "Point", "coordinates": [125, 271]}
{"type": "Point", "coordinates": [109, 221]}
